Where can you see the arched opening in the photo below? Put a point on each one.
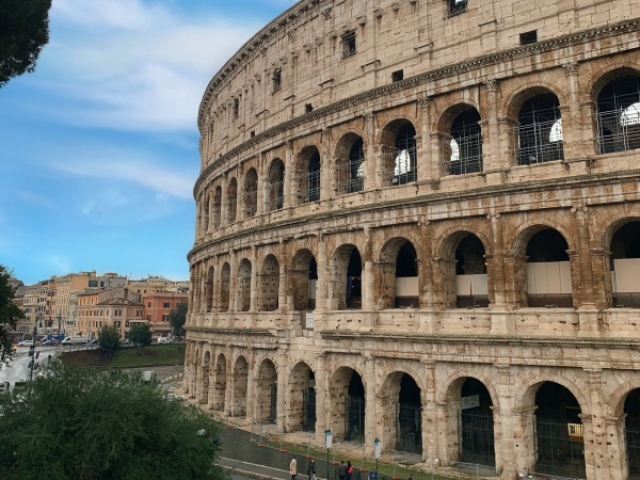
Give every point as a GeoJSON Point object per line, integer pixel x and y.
{"type": "Point", "coordinates": [540, 130]}
{"type": "Point", "coordinates": [559, 435]}
{"type": "Point", "coordinates": [209, 289]}
{"type": "Point", "coordinates": [225, 280]}
{"type": "Point", "coordinates": [466, 143]}
{"type": "Point", "coordinates": [399, 274]}
{"type": "Point", "coordinates": [350, 164]}
{"type": "Point", "coordinates": [304, 277]}
{"type": "Point", "coordinates": [402, 414]}
{"type": "Point", "coordinates": [347, 274]}
{"type": "Point", "coordinates": [302, 399]}
{"type": "Point", "coordinates": [207, 208]}
{"type": "Point", "coordinates": [244, 286]}
{"type": "Point", "coordinates": [217, 206]}
{"type": "Point", "coordinates": [632, 433]}
{"type": "Point", "coordinates": [618, 115]}
{"type": "Point", "coordinates": [471, 415]}
{"type": "Point", "coordinates": [266, 393]}
{"type": "Point", "coordinates": [276, 185]}
{"type": "Point", "coordinates": [204, 397]}
{"type": "Point", "coordinates": [220, 387]}
{"type": "Point", "coordinates": [269, 284]}
{"type": "Point", "coordinates": [250, 193]}
{"type": "Point", "coordinates": [306, 183]}
{"type": "Point", "coordinates": [232, 201]}
{"type": "Point", "coordinates": [625, 265]}
{"type": "Point", "coordinates": [400, 153]}
{"type": "Point", "coordinates": [240, 376]}
{"type": "Point", "coordinates": [471, 273]}
{"type": "Point", "coordinates": [348, 405]}
{"type": "Point", "coordinates": [548, 270]}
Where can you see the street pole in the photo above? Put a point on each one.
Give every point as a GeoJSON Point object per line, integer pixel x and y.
{"type": "Point", "coordinates": [327, 443]}
{"type": "Point", "coordinates": [33, 352]}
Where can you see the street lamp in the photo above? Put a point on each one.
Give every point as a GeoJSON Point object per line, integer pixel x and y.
{"type": "Point", "coordinates": [376, 452]}
{"type": "Point", "coordinates": [32, 353]}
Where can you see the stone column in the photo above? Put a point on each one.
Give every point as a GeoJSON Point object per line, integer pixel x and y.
{"type": "Point", "coordinates": [429, 412]}
{"type": "Point", "coordinates": [240, 194]}
{"type": "Point", "coordinates": [375, 167]}
{"type": "Point", "coordinates": [504, 424]}
{"type": "Point", "coordinates": [589, 439]}
{"type": "Point", "coordinates": [370, 153]}
{"type": "Point", "coordinates": [262, 195]}
{"type": "Point", "coordinates": [327, 165]}
{"type": "Point", "coordinates": [601, 261]}
{"type": "Point", "coordinates": [283, 383]}
{"type": "Point", "coordinates": [372, 426]}
{"type": "Point", "coordinates": [254, 281]}
{"type": "Point", "coordinates": [323, 412]}
{"type": "Point", "coordinates": [367, 273]}
{"type": "Point", "coordinates": [250, 414]}
{"type": "Point", "coordinates": [524, 439]}
{"type": "Point", "coordinates": [289, 173]}
{"type": "Point", "coordinates": [424, 154]}
{"type": "Point", "coordinates": [233, 281]}
{"type": "Point", "coordinates": [324, 276]}
{"type": "Point", "coordinates": [491, 154]}
{"type": "Point", "coordinates": [596, 440]}
{"type": "Point", "coordinates": [618, 461]}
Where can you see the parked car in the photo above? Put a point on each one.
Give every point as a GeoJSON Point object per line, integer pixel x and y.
{"type": "Point", "coordinates": [51, 341]}
{"type": "Point", "coordinates": [27, 343]}
{"type": "Point", "coordinates": [162, 340]}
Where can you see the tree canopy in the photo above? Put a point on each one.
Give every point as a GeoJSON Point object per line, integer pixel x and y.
{"type": "Point", "coordinates": [10, 313]}
{"type": "Point", "coordinates": [109, 339]}
{"type": "Point", "coordinates": [85, 425]}
{"type": "Point", "coordinates": [177, 318]}
{"type": "Point", "coordinates": [24, 31]}
{"type": "Point", "coordinates": [140, 334]}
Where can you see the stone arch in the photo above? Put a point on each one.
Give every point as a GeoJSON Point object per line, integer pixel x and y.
{"type": "Point", "coordinates": [225, 285]}
{"type": "Point", "coordinates": [306, 176]}
{"type": "Point", "coordinates": [347, 278]}
{"type": "Point", "coordinates": [220, 384]}
{"type": "Point", "coordinates": [462, 268]}
{"type": "Point", "coordinates": [348, 404]}
{"type": "Point", "coordinates": [269, 284]}
{"type": "Point", "coordinates": [542, 278]}
{"type": "Point", "coordinates": [536, 114]}
{"type": "Point", "coordinates": [240, 379]}
{"type": "Point", "coordinates": [303, 278]}
{"type": "Point", "coordinates": [250, 196]}
{"type": "Point", "coordinates": [623, 254]}
{"type": "Point", "coordinates": [552, 413]}
{"type": "Point", "coordinates": [518, 97]}
{"type": "Point", "coordinates": [266, 392]}
{"type": "Point", "coordinates": [350, 164]}
{"type": "Point", "coordinates": [209, 289]}
{"type": "Point", "coordinates": [398, 272]}
{"type": "Point", "coordinates": [232, 201]}
{"type": "Point", "coordinates": [244, 286]}
{"type": "Point", "coordinates": [301, 411]}
{"type": "Point", "coordinates": [275, 185]}
{"type": "Point", "coordinates": [399, 151]}
{"type": "Point", "coordinates": [617, 103]}
{"type": "Point", "coordinates": [461, 139]}
{"type": "Point", "coordinates": [401, 412]}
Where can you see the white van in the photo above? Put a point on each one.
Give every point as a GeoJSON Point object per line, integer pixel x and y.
{"type": "Point", "coordinates": [75, 340]}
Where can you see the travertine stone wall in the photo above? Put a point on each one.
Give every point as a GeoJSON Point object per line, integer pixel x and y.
{"type": "Point", "coordinates": [387, 95]}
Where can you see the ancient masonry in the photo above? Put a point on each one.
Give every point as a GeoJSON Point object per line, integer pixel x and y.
{"type": "Point", "coordinates": [419, 221]}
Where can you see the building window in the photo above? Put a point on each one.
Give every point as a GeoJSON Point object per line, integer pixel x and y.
{"type": "Point", "coordinates": [456, 7]}
{"type": "Point", "coordinates": [138, 313]}
{"type": "Point", "coordinates": [148, 318]}
{"type": "Point", "coordinates": [397, 75]}
{"type": "Point", "coordinates": [236, 108]}
{"type": "Point", "coordinates": [165, 317]}
{"type": "Point", "coordinates": [166, 305]}
{"type": "Point", "coordinates": [349, 44]}
{"type": "Point", "coordinates": [93, 283]}
{"type": "Point", "coordinates": [277, 80]}
{"type": "Point", "coordinates": [149, 305]}
{"type": "Point", "coordinates": [118, 313]}
{"type": "Point", "coordinates": [527, 38]}
{"type": "Point", "coordinates": [308, 108]}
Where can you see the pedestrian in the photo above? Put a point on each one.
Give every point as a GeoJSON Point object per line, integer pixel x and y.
{"type": "Point", "coordinates": [293, 468]}
{"type": "Point", "coordinates": [349, 469]}
{"type": "Point", "coordinates": [342, 471]}
{"type": "Point", "coordinates": [411, 477]}
{"type": "Point", "coordinates": [312, 471]}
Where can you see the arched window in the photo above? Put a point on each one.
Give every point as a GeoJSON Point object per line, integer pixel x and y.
{"type": "Point", "coordinates": [232, 201]}
{"type": "Point", "coordinates": [250, 193]}
{"type": "Point", "coordinates": [306, 183]}
{"type": "Point", "coordinates": [276, 185]}
{"type": "Point", "coordinates": [466, 143]}
{"type": "Point", "coordinates": [540, 130]}
{"type": "Point", "coordinates": [404, 167]}
{"type": "Point", "coordinates": [619, 115]}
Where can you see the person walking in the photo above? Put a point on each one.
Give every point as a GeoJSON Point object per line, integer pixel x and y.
{"type": "Point", "coordinates": [293, 468]}
{"type": "Point", "coordinates": [349, 470]}
{"type": "Point", "coordinates": [342, 471]}
{"type": "Point", "coordinates": [312, 471]}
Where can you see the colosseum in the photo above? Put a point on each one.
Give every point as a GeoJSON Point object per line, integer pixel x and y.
{"type": "Point", "coordinates": [419, 222]}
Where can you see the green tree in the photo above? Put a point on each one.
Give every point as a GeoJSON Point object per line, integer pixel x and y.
{"type": "Point", "coordinates": [79, 424]}
{"type": "Point", "coordinates": [140, 334]}
{"type": "Point", "coordinates": [177, 318]}
{"type": "Point", "coordinates": [24, 31]}
{"type": "Point", "coordinates": [109, 339]}
{"type": "Point", "coordinates": [10, 313]}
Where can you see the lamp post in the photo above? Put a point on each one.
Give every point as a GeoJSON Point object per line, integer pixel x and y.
{"type": "Point", "coordinates": [376, 452]}
{"type": "Point", "coordinates": [32, 353]}
{"type": "Point", "coordinates": [328, 439]}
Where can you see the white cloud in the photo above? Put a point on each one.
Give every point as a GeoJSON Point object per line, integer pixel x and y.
{"type": "Point", "coordinates": [119, 14]}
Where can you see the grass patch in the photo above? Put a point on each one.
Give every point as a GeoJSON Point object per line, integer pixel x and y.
{"type": "Point", "coordinates": [153, 355]}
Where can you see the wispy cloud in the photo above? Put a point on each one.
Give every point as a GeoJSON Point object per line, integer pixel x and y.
{"type": "Point", "coordinates": [37, 200]}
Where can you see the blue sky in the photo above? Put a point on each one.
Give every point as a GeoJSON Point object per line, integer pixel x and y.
{"type": "Point", "coordinates": [99, 146]}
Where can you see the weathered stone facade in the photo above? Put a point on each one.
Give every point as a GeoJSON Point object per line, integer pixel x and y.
{"type": "Point", "coordinates": [420, 222]}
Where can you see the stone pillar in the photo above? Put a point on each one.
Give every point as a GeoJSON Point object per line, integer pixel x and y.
{"type": "Point", "coordinates": [524, 439]}
{"type": "Point", "coordinates": [589, 439]}
{"type": "Point", "coordinates": [289, 173]}
{"type": "Point", "coordinates": [240, 194]}
{"type": "Point", "coordinates": [375, 167]}
{"type": "Point", "coordinates": [504, 424]}
{"type": "Point", "coordinates": [491, 153]}
{"type": "Point", "coordinates": [262, 195]}
{"type": "Point", "coordinates": [283, 383]}
{"type": "Point", "coordinates": [515, 274]}
{"type": "Point", "coordinates": [618, 461]}
{"type": "Point", "coordinates": [372, 426]}
{"type": "Point", "coordinates": [371, 152]}
{"type": "Point", "coordinates": [327, 165]}
{"type": "Point", "coordinates": [233, 281]}
{"type": "Point", "coordinates": [324, 276]}
{"type": "Point", "coordinates": [255, 283]}
{"type": "Point", "coordinates": [429, 412]}
{"type": "Point", "coordinates": [575, 136]}
{"type": "Point", "coordinates": [424, 154]}
{"type": "Point", "coordinates": [367, 273]}
{"type": "Point", "coordinates": [601, 262]}
{"type": "Point", "coordinates": [323, 412]}
{"type": "Point", "coordinates": [596, 443]}
{"type": "Point", "coordinates": [250, 414]}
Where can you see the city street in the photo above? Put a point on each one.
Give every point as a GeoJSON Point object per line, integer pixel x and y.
{"type": "Point", "coordinates": [18, 368]}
